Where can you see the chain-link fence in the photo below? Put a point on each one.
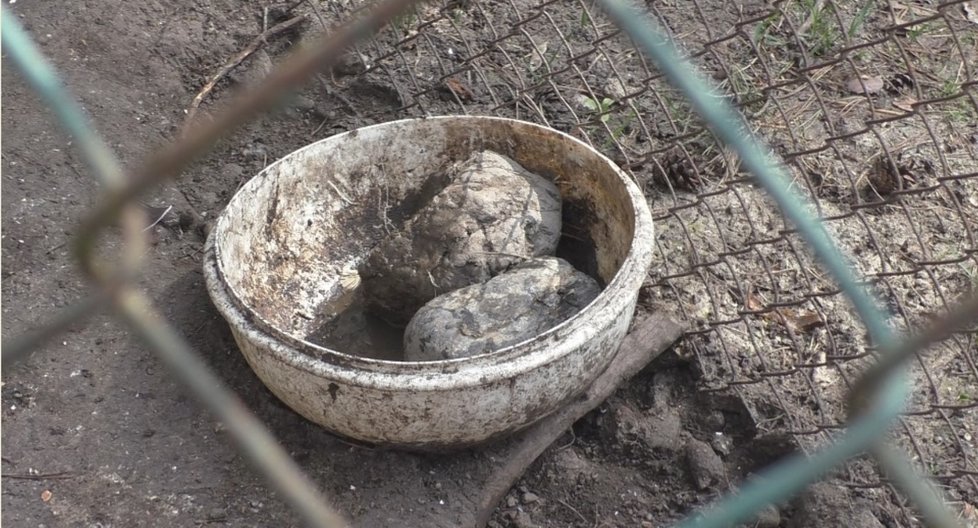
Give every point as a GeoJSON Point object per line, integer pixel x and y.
{"type": "Point", "coordinates": [871, 108]}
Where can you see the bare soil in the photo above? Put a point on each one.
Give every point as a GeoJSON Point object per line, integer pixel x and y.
{"type": "Point", "coordinates": [97, 433]}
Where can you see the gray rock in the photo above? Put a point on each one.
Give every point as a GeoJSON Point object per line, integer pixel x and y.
{"type": "Point", "coordinates": [642, 434]}
{"type": "Point", "coordinates": [521, 519]}
{"type": "Point", "coordinates": [769, 517]}
{"type": "Point", "coordinates": [828, 503]}
{"type": "Point", "coordinates": [529, 497]}
{"type": "Point", "coordinates": [492, 214]}
{"type": "Point", "coordinates": [509, 308]}
{"type": "Point", "coordinates": [705, 465]}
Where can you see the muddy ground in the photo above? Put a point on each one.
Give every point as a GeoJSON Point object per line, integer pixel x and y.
{"type": "Point", "coordinates": [97, 433]}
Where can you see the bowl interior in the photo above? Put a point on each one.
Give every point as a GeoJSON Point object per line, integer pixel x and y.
{"type": "Point", "coordinates": [290, 240]}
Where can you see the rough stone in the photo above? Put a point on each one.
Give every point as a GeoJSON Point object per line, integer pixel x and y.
{"type": "Point", "coordinates": [830, 504]}
{"type": "Point", "coordinates": [521, 519]}
{"type": "Point", "coordinates": [705, 466]}
{"type": "Point", "coordinates": [509, 308]}
{"type": "Point", "coordinates": [492, 214]}
{"type": "Point", "coordinates": [642, 433]}
{"type": "Point", "coordinates": [769, 517]}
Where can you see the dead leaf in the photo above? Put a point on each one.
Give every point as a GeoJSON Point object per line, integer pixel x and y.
{"type": "Point", "coordinates": [804, 321]}
{"type": "Point", "coordinates": [459, 89]}
{"type": "Point", "coordinates": [873, 84]}
{"type": "Point", "coordinates": [753, 303]}
{"type": "Point", "coordinates": [905, 104]}
{"type": "Point", "coordinates": [796, 319]}
{"type": "Point", "coordinates": [886, 179]}
{"type": "Point", "coordinates": [46, 495]}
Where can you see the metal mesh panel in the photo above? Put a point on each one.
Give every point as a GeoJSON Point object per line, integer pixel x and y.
{"type": "Point", "coordinates": [871, 106]}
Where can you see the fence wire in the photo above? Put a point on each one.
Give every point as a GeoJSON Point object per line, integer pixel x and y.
{"type": "Point", "coordinates": [868, 106]}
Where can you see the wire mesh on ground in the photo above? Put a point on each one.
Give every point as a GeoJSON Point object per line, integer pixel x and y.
{"type": "Point", "coordinates": [870, 106]}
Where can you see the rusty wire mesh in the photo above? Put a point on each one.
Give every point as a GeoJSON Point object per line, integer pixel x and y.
{"type": "Point", "coordinates": [872, 107]}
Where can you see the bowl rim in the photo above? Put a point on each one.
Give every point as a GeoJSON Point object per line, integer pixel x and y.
{"type": "Point", "coordinates": [504, 362]}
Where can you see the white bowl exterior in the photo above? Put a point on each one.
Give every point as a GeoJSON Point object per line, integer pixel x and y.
{"type": "Point", "coordinates": [445, 403]}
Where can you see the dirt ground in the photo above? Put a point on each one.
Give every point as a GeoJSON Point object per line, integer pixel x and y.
{"type": "Point", "coordinates": [97, 433]}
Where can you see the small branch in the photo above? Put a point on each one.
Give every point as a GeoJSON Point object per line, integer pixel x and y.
{"type": "Point", "coordinates": [231, 64]}
{"type": "Point", "coordinates": [60, 475]}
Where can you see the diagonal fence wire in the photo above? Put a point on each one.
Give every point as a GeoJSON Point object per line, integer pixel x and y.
{"type": "Point", "coordinates": [253, 437]}
{"type": "Point", "coordinates": [876, 400]}
{"type": "Point", "coordinates": [869, 424]}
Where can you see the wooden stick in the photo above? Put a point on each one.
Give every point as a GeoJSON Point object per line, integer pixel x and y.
{"type": "Point", "coordinates": [491, 470]}
{"type": "Point", "coordinates": [254, 46]}
{"type": "Point", "coordinates": [652, 335]}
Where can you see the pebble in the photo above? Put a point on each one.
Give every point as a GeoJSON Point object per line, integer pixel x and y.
{"type": "Point", "coordinates": [216, 514]}
{"type": "Point", "coordinates": [530, 497]}
{"type": "Point", "coordinates": [643, 433]}
{"type": "Point", "coordinates": [721, 443]}
{"type": "Point", "coordinates": [769, 517]}
{"type": "Point", "coordinates": [827, 503]}
{"type": "Point", "coordinates": [705, 465]}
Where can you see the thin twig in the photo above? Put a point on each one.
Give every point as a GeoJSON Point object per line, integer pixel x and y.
{"type": "Point", "coordinates": [170, 160]}
{"type": "Point", "coordinates": [234, 61]}
{"type": "Point", "coordinates": [160, 219]}
{"type": "Point", "coordinates": [573, 509]}
{"type": "Point", "coordinates": [60, 475]}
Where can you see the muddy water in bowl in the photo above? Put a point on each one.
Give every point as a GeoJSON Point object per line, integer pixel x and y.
{"type": "Point", "coordinates": [279, 267]}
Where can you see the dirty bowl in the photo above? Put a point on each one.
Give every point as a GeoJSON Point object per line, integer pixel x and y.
{"type": "Point", "coordinates": [285, 250]}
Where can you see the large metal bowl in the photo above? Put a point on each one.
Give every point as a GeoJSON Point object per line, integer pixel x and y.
{"type": "Point", "coordinates": [283, 249]}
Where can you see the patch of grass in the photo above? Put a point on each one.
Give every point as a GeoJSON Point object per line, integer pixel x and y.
{"type": "Point", "coordinates": [949, 88]}
{"type": "Point", "coordinates": [600, 107]}
{"type": "Point", "coordinates": [915, 32]}
{"type": "Point", "coordinates": [764, 34]}
{"type": "Point", "coordinates": [679, 110]}
{"type": "Point", "coordinates": [957, 110]}
{"type": "Point", "coordinates": [858, 21]}
{"type": "Point", "coordinates": [822, 32]}
{"type": "Point", "coordinates": [745, 89]}
{"type": "Point", "coordinates": [585, 18]}
{"type": "Point", "coordinates": [402, 23]}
